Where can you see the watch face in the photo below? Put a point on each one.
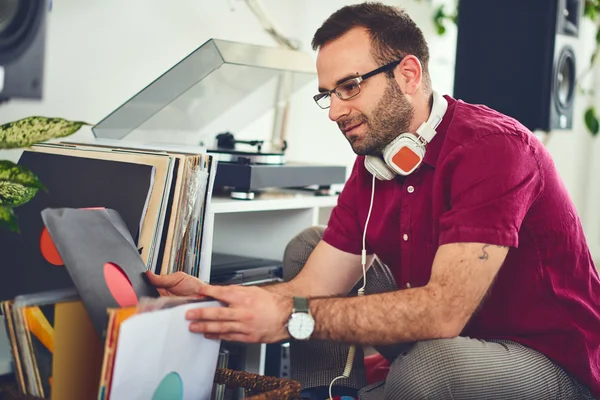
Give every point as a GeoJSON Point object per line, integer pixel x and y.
{"type": "Point", "coordinates": [301, 326]}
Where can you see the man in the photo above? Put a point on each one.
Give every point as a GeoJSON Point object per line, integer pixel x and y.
{"type": "Point", "coordinates": [494, 294]}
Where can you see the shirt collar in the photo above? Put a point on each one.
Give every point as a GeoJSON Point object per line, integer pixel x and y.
{"type": "Point", "coordinates": [432, 152]}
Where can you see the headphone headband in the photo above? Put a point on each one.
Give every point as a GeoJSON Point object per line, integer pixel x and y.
{"type": "Point", "coordinates": [427, 129]}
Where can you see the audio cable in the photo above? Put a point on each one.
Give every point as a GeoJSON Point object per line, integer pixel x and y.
{"type": "Point", "coordinates": [361, 292]}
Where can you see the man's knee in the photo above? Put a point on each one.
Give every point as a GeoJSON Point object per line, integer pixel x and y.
{"type": "Point", "coordinates": [424, 371]}
{"type": "Point", "coordinates": [298, 250]}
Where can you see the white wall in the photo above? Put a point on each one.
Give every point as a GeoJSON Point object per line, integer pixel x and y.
{"type": "Point", "coordinates": [94, 65]}
{"type": "Point", "coordinates": [100, 53]}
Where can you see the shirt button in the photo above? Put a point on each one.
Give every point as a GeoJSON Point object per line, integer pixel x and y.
{"type": "Point", "coordinates": [405, 237]}
{"type": "Point", "coordinates": [408, 285]}
{"type": "Point", "coordinates": [410, 189]}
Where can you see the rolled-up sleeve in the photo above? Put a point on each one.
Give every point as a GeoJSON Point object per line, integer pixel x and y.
{"type": "Point", "coordinates": [492, 182]}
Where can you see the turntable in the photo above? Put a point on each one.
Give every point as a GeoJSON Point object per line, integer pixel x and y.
{"type": "Point", "coordinates": [245, 172]}
{"type": "Point", "coordinates": [218, 90]}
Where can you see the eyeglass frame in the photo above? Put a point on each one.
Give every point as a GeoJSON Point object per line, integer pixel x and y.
{"type": "Point", "coordinates": [359, 79]}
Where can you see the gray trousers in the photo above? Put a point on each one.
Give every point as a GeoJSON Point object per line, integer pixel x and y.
{"type": "Point", "coordinates": [458, 368]}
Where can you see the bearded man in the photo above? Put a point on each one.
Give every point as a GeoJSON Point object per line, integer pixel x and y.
{"type": "Point", "coordinates": [474, 276]}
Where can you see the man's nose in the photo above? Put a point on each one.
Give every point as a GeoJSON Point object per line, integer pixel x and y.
{"type": "Point", "coordinates": [338, 108]}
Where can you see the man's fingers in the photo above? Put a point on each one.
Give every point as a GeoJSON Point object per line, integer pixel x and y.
{"type": "Point", "coordinates": [226, 294]}
{"type": "Point", "coordinates": [165, 281]}
{"type": "Point", "coordinates": [216, 314]}
{"type": "Point", "coordinates": [217, 327]}
{"type": "Point", "coordinates": [231, 337]}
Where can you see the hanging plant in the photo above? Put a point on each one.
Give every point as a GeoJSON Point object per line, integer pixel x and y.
{"type": "Point", "coordinates": [18, 185]}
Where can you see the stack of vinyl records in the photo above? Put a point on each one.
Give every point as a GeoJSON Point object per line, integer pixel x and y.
{"type": "Point", "coordinates": [59, 355]}
{"type": "Point", "coordinates": [108, 215]}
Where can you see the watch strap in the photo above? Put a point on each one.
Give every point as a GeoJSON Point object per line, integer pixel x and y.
{"type": "Point", "coordinates": [301, 304]}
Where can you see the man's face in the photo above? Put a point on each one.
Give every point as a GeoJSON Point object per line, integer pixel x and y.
{"type": "Point", "coordinates": [380, 112]}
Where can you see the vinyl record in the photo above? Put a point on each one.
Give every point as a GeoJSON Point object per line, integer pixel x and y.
{"type": "Point", "coordinates": [101, 259]}
{"type": "Point", "coordinates": [30, 262]}
{"type": "Point", "coordinates": [182, 368]}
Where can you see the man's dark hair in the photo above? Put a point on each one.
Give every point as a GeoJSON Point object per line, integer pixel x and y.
{"type": "Point", "coordinates": [393, 33]}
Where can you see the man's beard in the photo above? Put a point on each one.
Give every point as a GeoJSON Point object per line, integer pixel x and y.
{"type": "Point", "coordinates": [391, 117]}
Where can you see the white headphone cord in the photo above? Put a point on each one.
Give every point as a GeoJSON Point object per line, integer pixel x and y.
{"type": "Point", "coordinates": [361, 292]}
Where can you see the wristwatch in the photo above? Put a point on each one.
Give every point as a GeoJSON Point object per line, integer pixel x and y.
{"type": "Point", "coordinates": [301, 324]}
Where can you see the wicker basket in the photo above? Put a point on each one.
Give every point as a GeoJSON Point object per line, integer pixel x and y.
{"type": "Point", "coordinates": [256, 387]}
{"type": "Point", "coordinates": [259, 387]}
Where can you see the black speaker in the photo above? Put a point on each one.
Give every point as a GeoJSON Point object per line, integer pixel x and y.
{"type": "Point", "coordinates": [22, 48]}
{"type": "Point", "coordinates": [518, 57]}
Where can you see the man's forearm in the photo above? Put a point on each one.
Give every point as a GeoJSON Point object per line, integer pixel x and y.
{"type": "Point", "coordinates": [387, 318]}
{"type": "Point", "coordinates": [296, 287]}
{"type": "Point", "coordinates": [285, 288]}
{"type": "Point", "coordinates": [291, 288]}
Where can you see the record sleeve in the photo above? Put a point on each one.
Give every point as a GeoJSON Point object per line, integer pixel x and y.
{"type": "Point", "coordinates": [101, 258]}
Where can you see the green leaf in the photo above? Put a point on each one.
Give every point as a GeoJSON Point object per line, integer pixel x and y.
{"type": "Point", "coordinates": [454, 18]}
{"type": "Point", "coordinates": [13, 194]}
{"type": "Point", "coordinates": [9, 219]}
{"type": "Point", "coordinates": [590, 12]}
{"type": "Point", "coordinates": [14, 173]}
{"type": "Point", "coordinates": [440, 16]}
{"type": "Point", "coordinates": [438, 20]}
{"type": "Point", "coordinates": [590, 9]}
{"type": "Point", "coordinates": [440, 13]}
{"type": "Point", "coordinates": [591, 121]}
{"type": "Point", "coordinates": [28, 131]}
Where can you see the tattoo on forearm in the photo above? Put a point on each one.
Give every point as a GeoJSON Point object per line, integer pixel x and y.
{"type": "Point", "coordinates": [484, 256]}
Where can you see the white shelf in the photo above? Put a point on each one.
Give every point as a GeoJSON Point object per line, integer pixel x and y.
{"type": "Point", "coordinates": [269, 202]}
{"type": "Point", "coordinates": [262, 228]}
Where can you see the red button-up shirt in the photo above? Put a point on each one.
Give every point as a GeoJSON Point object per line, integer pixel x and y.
{"type": "Point", "coordinates": [485, 178]}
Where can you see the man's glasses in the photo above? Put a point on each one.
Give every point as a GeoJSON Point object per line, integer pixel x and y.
{"type": "Point", "coordinates": [349, 88]}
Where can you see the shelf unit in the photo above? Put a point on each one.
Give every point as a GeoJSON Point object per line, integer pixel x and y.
{"type": "Point", "coordinates": [263, 227]}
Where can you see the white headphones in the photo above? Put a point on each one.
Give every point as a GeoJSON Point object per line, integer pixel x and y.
{"type": "Point", "coordinates": [405, 153]}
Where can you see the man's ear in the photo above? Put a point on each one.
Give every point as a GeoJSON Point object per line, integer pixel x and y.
{"type": "Point", "coordinates": [408, 74]}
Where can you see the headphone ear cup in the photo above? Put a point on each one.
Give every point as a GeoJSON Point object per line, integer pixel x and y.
{"type": "Point", "coordinates": [404, 154]}
{"type": "Point", "coordinates": [376, 166]}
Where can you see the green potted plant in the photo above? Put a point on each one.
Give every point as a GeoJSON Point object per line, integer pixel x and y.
{"type": "Point", "coordinates": [18, 185]}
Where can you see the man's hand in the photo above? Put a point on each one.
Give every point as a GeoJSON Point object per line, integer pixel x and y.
{"type": "Point", "coordinates": [176, 284]}
{"type": "Point", "coordinates": [253, 315]}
